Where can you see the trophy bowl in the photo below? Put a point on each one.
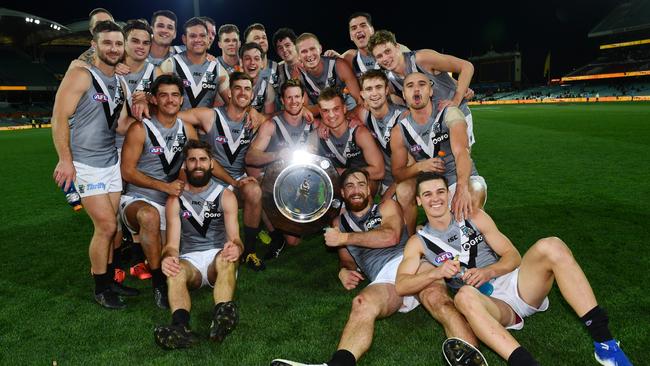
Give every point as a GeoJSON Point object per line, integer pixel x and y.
{"type": "Point", "coordinates": [301, 196]}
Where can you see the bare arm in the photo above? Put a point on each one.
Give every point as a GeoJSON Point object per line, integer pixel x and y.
{"type": "Point", "coordinates": [201, 117]}
{"type": "Point", "coordinates": [510, 257]}
{"type": "Point", "coordinates": [257, 154]}
{"type": "Point", "coordinates": [224, 85]}
{"type": "Point", "coordinates": [348, 273]}
{"type": "Point", "coordinates": [403, 165]}
{"type": "Point", "coordinates": [461, 204]}
{"type": "Point", "coordinates": [371, 153]}
{"type": "Point", "coordinates": [434, 61]}
{"type": "Point", "coordinates": [345, 72]}
{"type": "Point", "coordinates": [386, 235]}
{"type": "Point", "coordinates": [230, 211]}
{"type": "Point", "coordinates": [73, 86]}
{"type": "Point", "coordinates": [170, 263]}
{"type": "Point", "coordinates": [269, 101]}
{"type": "Point", "coordinates": [409, 280]}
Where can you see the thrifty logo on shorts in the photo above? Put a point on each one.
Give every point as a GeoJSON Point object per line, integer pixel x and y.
{"type": "Point", "coordinates": [91, 187]}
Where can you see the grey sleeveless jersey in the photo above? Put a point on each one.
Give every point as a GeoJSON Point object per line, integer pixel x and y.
{"type": "Point", "coordinates": [431, 140]}
{"type": "Point", "coordinates": [288, 136]}
{"type": "Point", "coordinates": [260, 88]}
{"type": "Point", "coordinates": [161, 158]}
{"type": "Point", "coordinates": [201, 81]}
{"type": "Point", "coordinates": [342, 151]}
{"type": "Point", "coordinates": [444, 87]}
{"type": "Point", "coordinates": [135, 81]}
{"type": "Point", "coordinates": [370, 260]}
{"type": "Point", "coordinates": [460, 239]}
{"type": "Point", "coordinates": [230, 142]}
{"type": "Point", "coordinates": [272, 73]}
{"type": "Point", "coordinates": [172, 51]}
{"type": "Point", "coordinates": [229, 69]}
{"type": "Point", "coordinates": [380, 129]}
{"type": "Point", "coordinates": [328, 78]}
{"type": "Point", "coordinates": [202, 224]}
{"type": "Point", "coordinates": [92, 127]}
{"type": "Point", "coordinates": [361, 64]}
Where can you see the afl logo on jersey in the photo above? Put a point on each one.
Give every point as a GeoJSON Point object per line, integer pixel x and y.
{"type": "Point", "coordinates": [221, 139]}
{"type": "Point", "coordinates": [186, 214]}
{"type": "Point", "coordinates": [100, 97]}
{"type": "Point", "coordinates": [416, 148]}
{"type": "Point", "coordinates": [186, 83]}
{"type": "Point", "coordinates": [156, 150]}
{"type": "Point", "coordinates": [443, 257]}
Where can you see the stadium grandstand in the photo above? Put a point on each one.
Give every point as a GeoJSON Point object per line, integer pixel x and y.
{"type": "Point", "coordinates": [620, 71]}
{"type": "Point", "coordinates": [36, 53]}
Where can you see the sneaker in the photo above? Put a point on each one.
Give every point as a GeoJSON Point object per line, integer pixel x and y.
{"type": "Point", "coordinates": [123, 290]}
{"type": "Point", "coordinates": [174, 336]}
{"type": "Point", "coordinates": [224, 320]}
{"type": "Point", "coordinates": [457, 352]}
{"type": "Point", "coordinates": [119, 275]}
{"type": "Point", "coordinates": [254, 263]}
{"type": "Point", "coordinates": [274, 250]}
{"type": "Point", "coordinates": [160, 297]}
{"type": "Point", "coordinates": [141, 271]}
{"type": "Point", "coordinates": [610, 354]}
{"type": "Point", "coordinates": [280, 362]}
{"type": "Point", "coordinates": [109, 300]}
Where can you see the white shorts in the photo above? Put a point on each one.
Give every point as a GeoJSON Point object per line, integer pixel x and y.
{"type": "Point", "coordinates": [474, 179]}
{"type": "Point", "coordinates": [92, 181]}
{"type": "Point", "coordinates": [387, 274]}
{"type": "Point", "coordinates": [230, 187]}
{"type": "Point", "coordinates": [125, 201]}
{"type": "Point", "coordinates": [505, 289]}
{"type": "Point", "coordinates": [202, 261]}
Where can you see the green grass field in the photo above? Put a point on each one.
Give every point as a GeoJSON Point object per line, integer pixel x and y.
{"type": "Point", "coordinates": [579, 172]}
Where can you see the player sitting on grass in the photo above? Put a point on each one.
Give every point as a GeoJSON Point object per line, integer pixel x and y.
{"type": "Point", "coordinates": [203, 248]}
{"type": "Point", "coordinates": [517, 287]}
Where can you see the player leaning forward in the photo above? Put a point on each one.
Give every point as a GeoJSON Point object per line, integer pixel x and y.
{"type": "Point", "coordinates": [203, 248]}
{"type": "Point", "coordinates": [519, 286]}
{"type": "Point", "coordinates": [87, 107]}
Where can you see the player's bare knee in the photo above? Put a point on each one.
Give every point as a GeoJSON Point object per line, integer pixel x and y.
{"type": "Point", "coordinates": [106, 227]}
{"type": "Point", "coordinates": [467, 299]}
{"type": "Point", "coordinates": [436, 298]}
{"type": "Point", "coordinates": [292, 240]}
{"type": "Point", "coordinates": [180, 278]}
{"type": "Point", "coordinates": [362, 307]}
{"type": "Point", "coordinates": [148, 217]}
{"type": "Point", "coordinates": [223, 265]}
{"type": "Point", "coordinates": [252, 192]}
{"type": "Point", "coordinates": [405, 192]}
{"type": "Point", "coordinates": [554, 250]}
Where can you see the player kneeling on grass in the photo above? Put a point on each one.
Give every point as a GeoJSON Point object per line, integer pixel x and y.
{"type": "Point", "coordinates": [371, 236]}
{"type": "Point", "coordinates": [203, 248]}
{"type": "Point", "coordinates": [516, 287]}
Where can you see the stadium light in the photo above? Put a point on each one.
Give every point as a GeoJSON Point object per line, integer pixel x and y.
{"type": "Point", "coordinates": [37, 21]}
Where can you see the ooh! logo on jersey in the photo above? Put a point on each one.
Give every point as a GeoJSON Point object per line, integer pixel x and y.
{"type": "Point", "coordinates": [156, 150]}
{"type": "Point", "coordinates": [443, 257]}
{"type": "Point", "coordinates": [100, 97]}
{"type": "Point", "coordinates": [221, 139]}
{"type": "Point", "coordinates": [186, 214]}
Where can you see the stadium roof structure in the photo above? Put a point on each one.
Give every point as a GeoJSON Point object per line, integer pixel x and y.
{"type": "Point", "coordinates": [24, 29]}
{"type": "Point", "coordinates": [631, 16]}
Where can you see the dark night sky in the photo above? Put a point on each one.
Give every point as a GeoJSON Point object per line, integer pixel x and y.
{"type": "Point", "coordinates": [460, 28]}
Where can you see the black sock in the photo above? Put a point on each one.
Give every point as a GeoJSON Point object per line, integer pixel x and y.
{"type": "Point", "coordinates": [117, 258]}
{"type": "Point", "coordinates": [110, 269]}
{"type": "Point", "coordinates": [102, 281]}
{"type": "Point", "coordinates": [276, 239]}
{"type": "Point", "coordinates": [597, 324]}
{"type": "Point", "coordinates": [137, 255]}
{"type": "Point", "coordinates": [181, 317]}
{"type": "Point", "coordinates": [250, 238]}
{"type": "Point", "coordinates": [158, 278]}
{"type": "Point", "coordinates": [521, 357]}
{"type": "Point", "coordinates": [342, 357]}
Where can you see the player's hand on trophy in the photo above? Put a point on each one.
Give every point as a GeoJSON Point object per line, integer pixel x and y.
{"type": "Point", "coordinates": [477, 276]}
{"type": "Point", "coordinates": [64, 174]}
{"type": "Point", "coordinates": [435, 165]}
{"type": "Point", "coordinates": [448, 269]}
{"type": "Point", "coordinates": [231, 251]}
{"type": "Point", "coordinates": [170, 266]}
{"type": "Point", "coordinates": [334, 237]}
{"type": "Point", "coordinates": [349, 278]}
{"type": "Point", "coordinates": [461, 204]}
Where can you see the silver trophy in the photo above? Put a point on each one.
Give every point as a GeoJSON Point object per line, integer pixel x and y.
{"type": "Point", "coordinates": [301, 196]}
